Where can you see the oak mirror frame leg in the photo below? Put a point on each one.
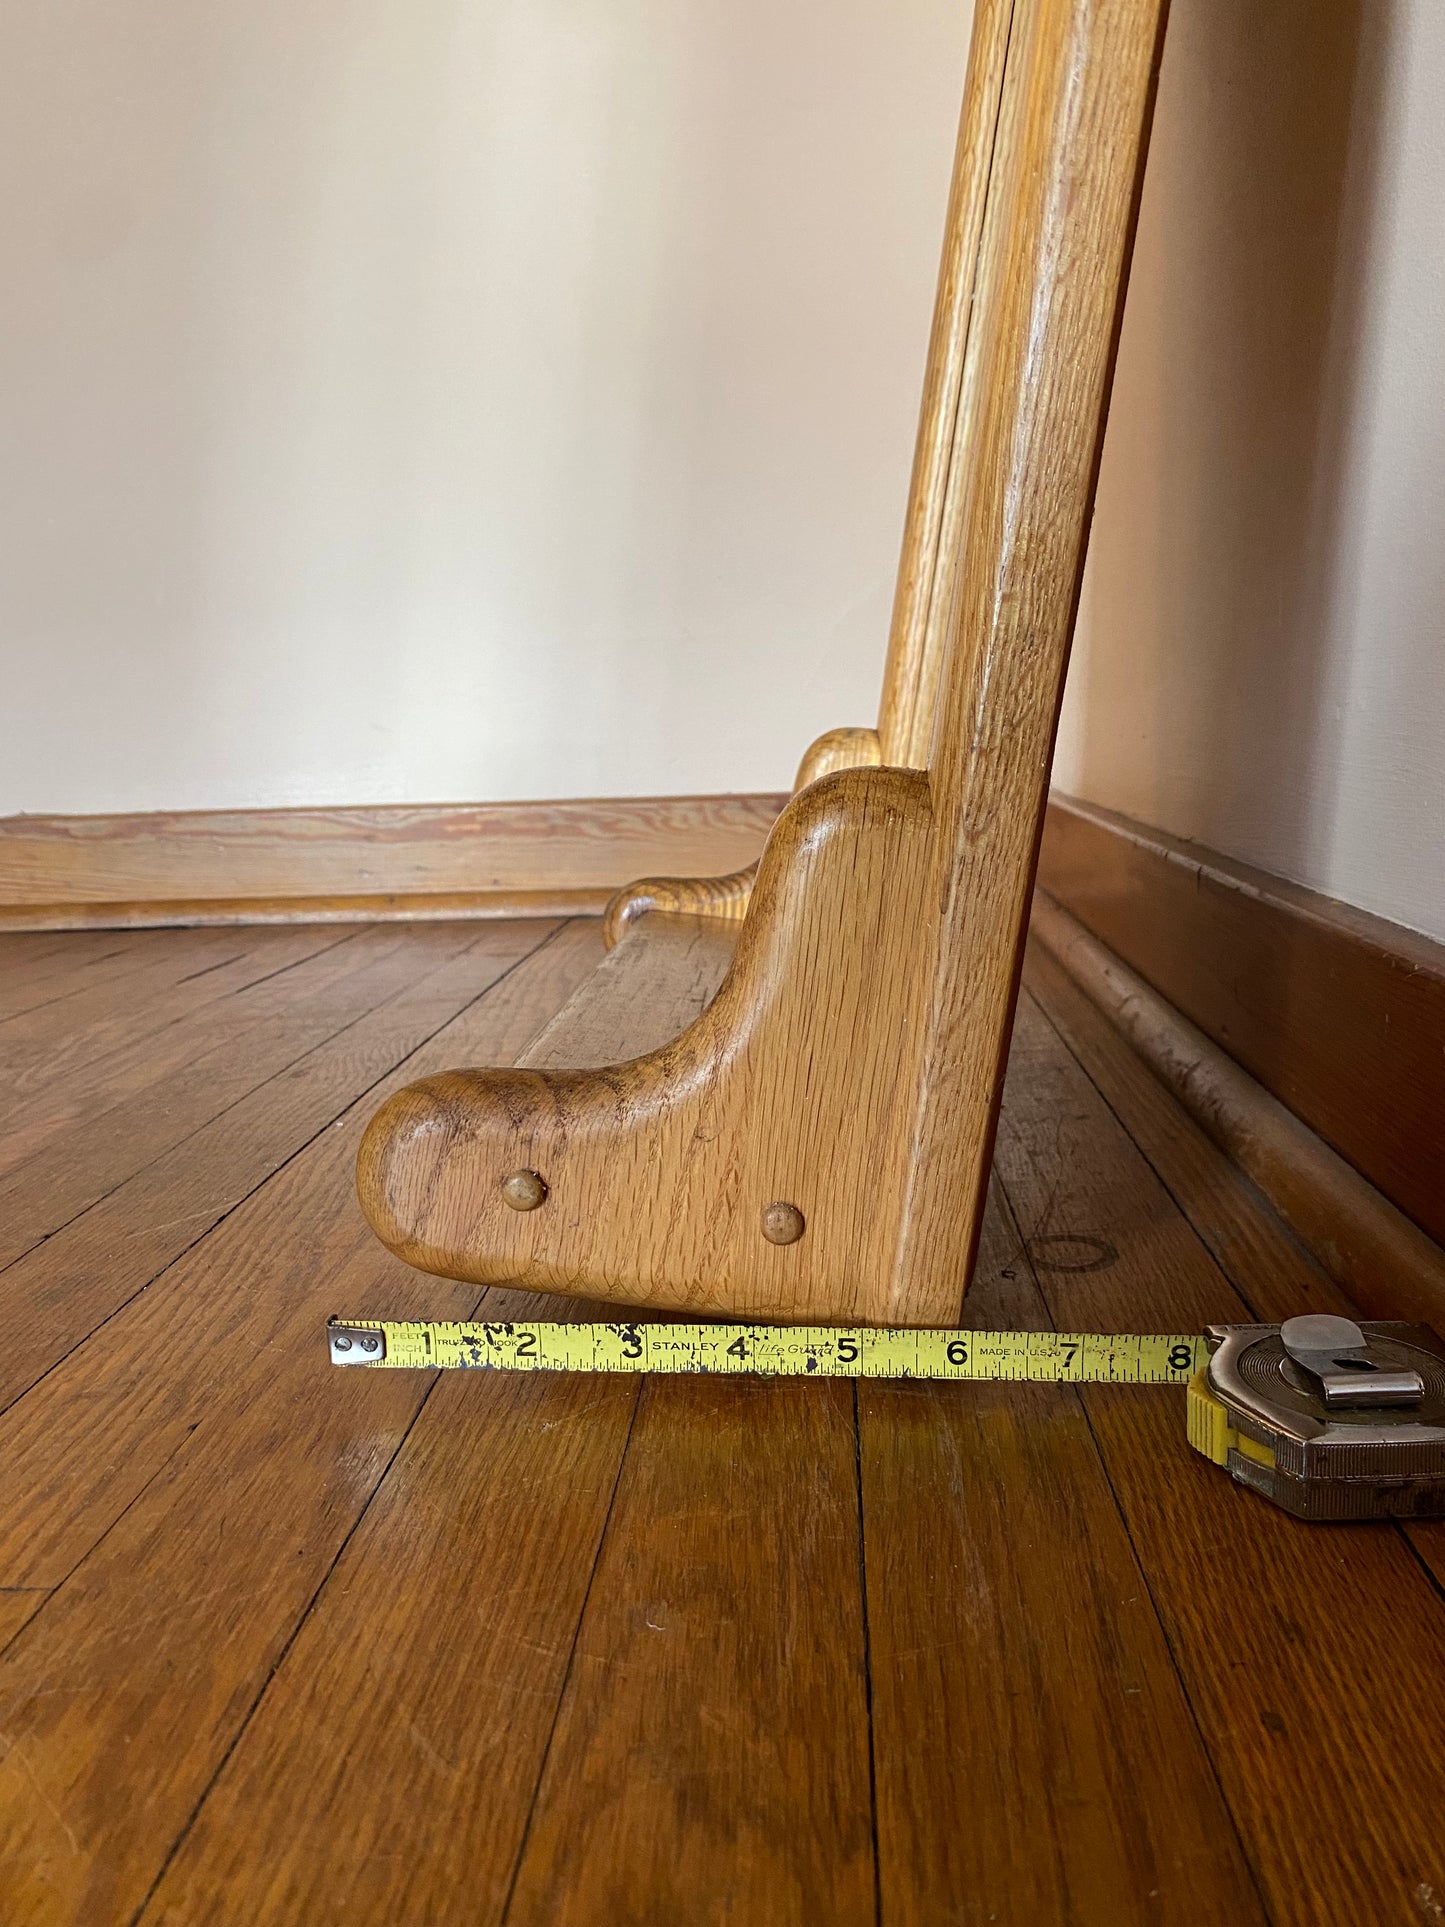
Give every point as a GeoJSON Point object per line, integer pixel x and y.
{"type": "Point", "coordinates": [904, 733]}
{"type": "Point", "coordinates": [814, 1146]}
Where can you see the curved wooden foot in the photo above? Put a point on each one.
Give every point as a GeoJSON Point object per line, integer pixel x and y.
{"type": "Point", "coordinates": [764, 1162]}
{"type": "Point", "coordinates": [727, 896]}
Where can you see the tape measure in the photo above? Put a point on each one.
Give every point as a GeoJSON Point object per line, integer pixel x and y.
{"type": "Point", "coordinates": [1329, 1419]}
{"type": "Point", "coordinates": [801, 1351]}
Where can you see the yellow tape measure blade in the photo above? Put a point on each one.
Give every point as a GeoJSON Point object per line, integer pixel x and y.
{"type": "Point", "coordinates": [788, 1351]}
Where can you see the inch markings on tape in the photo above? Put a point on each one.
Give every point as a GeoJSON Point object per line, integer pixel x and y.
{"type": "Point", "coordinates": [799, 1351]}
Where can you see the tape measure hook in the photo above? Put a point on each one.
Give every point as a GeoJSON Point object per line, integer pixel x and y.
{"type": "Point", "coordinates": [355, 1344]}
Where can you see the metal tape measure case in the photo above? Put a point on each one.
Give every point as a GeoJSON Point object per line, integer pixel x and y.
{"type": "Point", "coordinates": [1329, 1419]}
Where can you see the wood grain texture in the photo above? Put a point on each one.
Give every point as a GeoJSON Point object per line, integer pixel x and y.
{"type": "Point", "coordinates": [734, 1687]}
{"type": "Point", "coordinates": [1014, 1647]}
{"type": "Point", "coordinates": [18, 1605]}
{"type": "Point", "coordinates": [725, 897]}
{"type": "Point", "coordinates": [491, 1634]}
{"type": "Point", "coordinates": [883, 1144]}
{"type": "Point", "coordinates": [1272, 1272]}
{"type": "Point", "coordinates": [728, 896]}
{"type": "Point", "coordinates": [95, 1031]}
{"type": "Point", "coordinates": [99, 1257]}
{"type": "Point", "coordinates": [238, 1045]}
{"type": "Point", "coordinates": [1278, 1629]}
{"type": "Point", "coordinates": [84, 1442]}
{"type": "Point", "coordinates": [204, 913]}
{"type": "Point", "coordinates": [1274, 1275]}
{"type": "Point", "coordinates": [918, 631]}
{"type": "Point", "coordinates": [88, 1068]}
{"type": "Point", "coordinates": [225, 866]}
{"type": "Point", "coordinates": [33, 971]}
{"type": "Point", "coordinates": [143, 1101]}
{"type": "Point", "coordinates": [1377, 1255]}
{"type": "Point", "coordinates": [778, 1715]}
{"type": "Point", "coordinates": [189, 1482]}
{"type": "Point", "coordinates": [499, 1497]}
{"type": "Point", "coordinates": [1339, 1014]}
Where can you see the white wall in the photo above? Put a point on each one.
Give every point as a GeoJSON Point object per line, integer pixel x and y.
{"type": "Point", "coordinates": [434, 399]}
{"type": "Point", "coordinates": [1260, 663]}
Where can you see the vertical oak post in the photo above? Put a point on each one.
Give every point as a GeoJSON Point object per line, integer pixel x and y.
{"type": "Point", "coordinates": [844, 1082]}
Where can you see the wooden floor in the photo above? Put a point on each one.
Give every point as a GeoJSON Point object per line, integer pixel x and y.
{"type": "Point", "coordinates": [283, 1644]}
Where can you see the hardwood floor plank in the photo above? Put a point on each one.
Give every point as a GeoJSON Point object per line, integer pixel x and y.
{"type": "Point", "coordinates": [23, 944]}
{"type": "Point", "coordinates": [1273, 1274]}
{"type": "Point", "coordinates": [428, 1674]}
{"type": "Point", "coordinates": [82, 1444]}
{"type": "Point", "coordinates": [56, 1294]}
{"type": "Point", "coordinates": [1036, 1757]}
{"type": "Point", "coordinates": [102, 1013]}
{"type": "Point", "coordinates": [485, 1644]}
{"type": "Point", "coordinates": [36, 969]}
{"type": "Point", "coordinates": [267, 1032]}
{"type": "Point", "coordinates": [99, 1013]}
{"type": "Point", "coordinates": [78, 1078]}
{"type": "Point", "coordinates": [1297, 1644]}
{"type": "Point", "coordinates": [246, 1462]}
{"type": "Point", "coordinates": [721, 1658]}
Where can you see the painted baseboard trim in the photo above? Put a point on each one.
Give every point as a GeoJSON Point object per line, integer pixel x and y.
{"type": "Point", "coordinates": [365, 864]}
{"type": "Point", "coordinates": [1377, 1256]}
{"type": "Point", "coordinates": [1339, 1014]}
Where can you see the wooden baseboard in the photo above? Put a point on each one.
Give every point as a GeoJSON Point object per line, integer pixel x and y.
{"type": "Point", "coordinates": [1379, 1257]}
{"type": "Point", "coordinates": [278, 866]}
{"type": "Point", "coordinates": [1337, 1013]}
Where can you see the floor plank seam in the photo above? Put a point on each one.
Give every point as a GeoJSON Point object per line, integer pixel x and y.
{"type": "Point", "coordinates": [53, 1592]}
{"type": "Point", "coordinates": [300, 1149]}
{"type": "Point", "coordinates": [44, 1003]}
{"type": "Point", "coordinates": [1227, 1805]}
{"type": "Point", "coordinates": [1437, 1586]}
{"type": "Point", "coordinates": [867, 1661]}
{"type": "Point", "coordinates": [267, 976]}
{"type": "Point", "coordinates": [184, 1017]}
{"type": "Point", "coordinates": [546, 1752]}
{"type": "Point", "coordinates": [194, 975]}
